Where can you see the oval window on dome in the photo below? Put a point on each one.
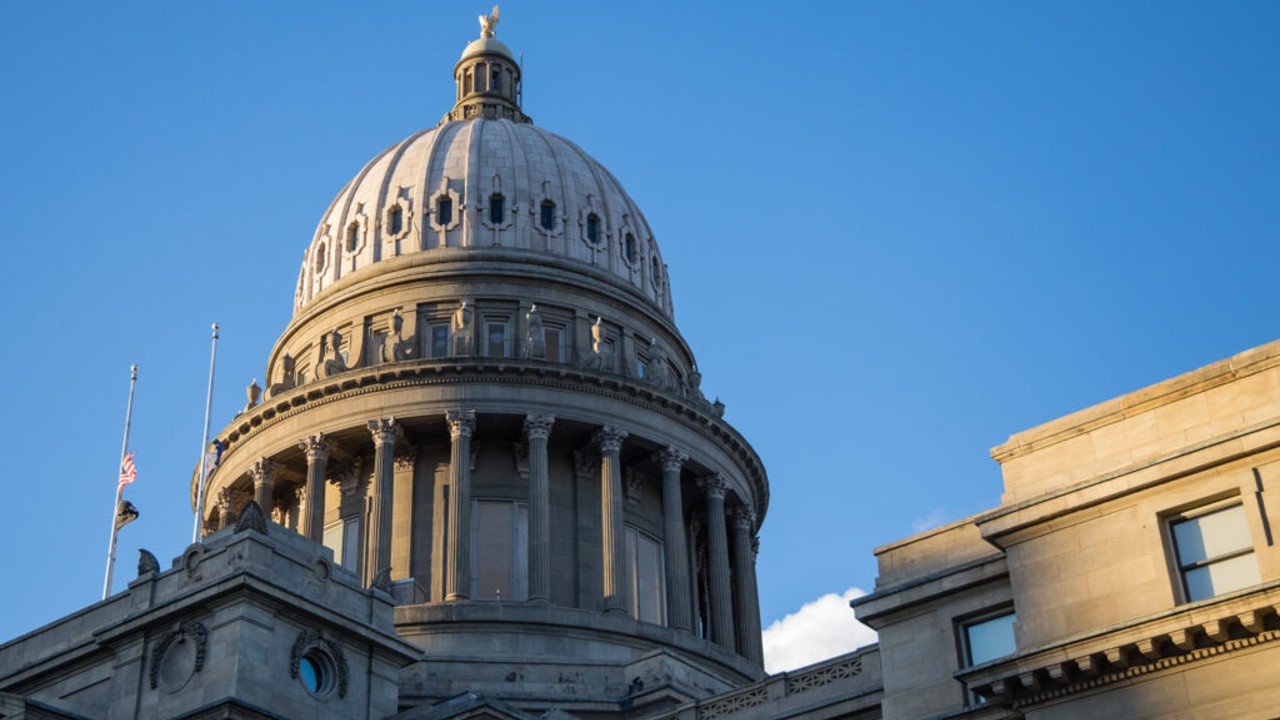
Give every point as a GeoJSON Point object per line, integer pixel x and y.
{"type": "Point", "coordinates": [593, 229]}
{"type": "Point", "coordinates": [444, 211]}
{"type": "Point", "coordinates": [548, 217]}
{"type": "Point", "coordinates": [496, 208]}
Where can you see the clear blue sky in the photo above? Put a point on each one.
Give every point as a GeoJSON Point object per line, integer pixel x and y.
{"type": "Point", "coordinates": [898, 232]}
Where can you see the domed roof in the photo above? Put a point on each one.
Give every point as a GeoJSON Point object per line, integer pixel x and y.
{"type": "Point", "coordinates": [485, 184]}
{"type": "Point", "coordinates": [486, 177]}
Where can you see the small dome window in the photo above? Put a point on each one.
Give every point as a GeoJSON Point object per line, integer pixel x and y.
{"type": "Point", "coordinates": [444, 211]}
{"type": "Point", "coordinates": [548, 218]}
{"type": "Point", "coordinates": [353, 236]}
{"type": "Point", "coordinates": [497, 208]}
{"type": "Point", "coordinates": [466, 83]}
{"type": "Point", "coordinates": [495, 83]}
{"type": "Point", "coordinates": [395, 220]}
{"type": "Point", "coordinates": [593, 229]}
{"type": "Point", "coordinates": [629, 248]}
{"type": "Point", "coordinates": [319, 257]}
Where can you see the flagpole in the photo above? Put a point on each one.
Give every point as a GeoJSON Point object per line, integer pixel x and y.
{"type": "Point", "coordinates": [115, 506]}
{"type": "Point", "coordinates": [204, 444]}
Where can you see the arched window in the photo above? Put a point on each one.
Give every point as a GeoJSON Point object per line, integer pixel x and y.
{"type": "Point", "coordinates": [353, 237]}
{"type": "Point", "coordinates": [444, 211]}
{"type": "Point", "coordinates": [629, 248]}
{"type": "Point", "coordinates": [395, 220]}
{"type": "Point", "coordinates": [593, 229]}
{"type": "Point", "coordinates": [496, 208]}
{"type": "Point", "coordinates": [548, 219]}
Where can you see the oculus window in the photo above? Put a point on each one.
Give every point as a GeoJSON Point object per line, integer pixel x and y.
{"type": "Point", "coordinates": [1214, 552]}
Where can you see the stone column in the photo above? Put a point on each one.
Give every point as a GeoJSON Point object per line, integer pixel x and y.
{"type": "Point", "coordinates": [679, 614]}
{"type": "Point", "coordinates": [457, 576]}
{"type": "Point", "coordinates": [224, 508]}
{"type": "Point", "coordinates": [747, 603]}
{"type": "Point", "coordinates": [612, 538]}
{"type": "Point", "coordinates": [316, 448]}
{"type": "Point", "coordinates": [718, 563]}
{"type": "Point", "coordinates": [378, 553]}
{"type": "Point", "coordinates": [538, 429]}
{"type": "Point", "coordinates": [263, 472]}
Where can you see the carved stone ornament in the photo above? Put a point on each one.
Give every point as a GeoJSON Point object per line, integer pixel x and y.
{"type": "Point", "coordinates": [406, 459]}
{"type": "Point", "coordinates": [382, 581]}
{"type": "Point", "coordinates": [147, 562]}
{"type": "Point", "coordinates": [520, 450]}
{"type": "Point", "coordinates": [315, 447]}
{"type": "Point", "coordinates": [384, 431]}
{"type": "Point", "coordinates": [743, 517]}
{"type": "Point", "coordinates": [714, 485]}
{"type": "Point", "coordinates": [174, 669]}
{"type": "Point", "coordinates": [671, 459]}
{"type": "Point", "coordinates": [586, 464]}
{"type": "Point", "coordinates": [310, 639]}
{"type": "Point", "coordinates": [632, 483]}
{"type": "Point", "coordinates": [461, 422]}
{"type": "Point", "coordinates": [251, 518]}
{"type": "Point", "coordinates": [538, 427]}
{"type": "Point", "coordinates": [609, 438]}
{"type": "Point", "coordinates": [348, 477]}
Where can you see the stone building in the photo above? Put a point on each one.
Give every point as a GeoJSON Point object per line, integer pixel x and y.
{"type": "Point", "coordinates": [482, 482]}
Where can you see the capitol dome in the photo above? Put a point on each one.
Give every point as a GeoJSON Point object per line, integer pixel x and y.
{"type": "Point", "coordinates": [482, 405]}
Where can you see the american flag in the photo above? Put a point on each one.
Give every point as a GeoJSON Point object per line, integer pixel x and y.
{"type": "Point", "coordinates": [128, 471]}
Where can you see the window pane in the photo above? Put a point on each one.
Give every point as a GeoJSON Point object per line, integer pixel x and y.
{"type": "Point", "coordinates": [990, 639]}
{"type": "Point", "coordinates": [553, 336]}
{"type": "Point", "coordinates": [444, 211]}
{"type": "Point", "coordinates": [649, 579]}
{"type": "Point", "coordinates": [548, 218]}
{"type": "Point", "coordinates": [496, 209]}
{"type": "Point", "coordinates": [439, 340]}
{"type": "Point", "coordinates": [497, 339]}
{"type": "Point", "coordinates": [1221, 577]}
{"type": "Point", "coordinates": [493, 554]}
{"type": "Point", "coordinates": [351, 545]}
{"type": "Point", "coordinates": [1215, 534]}
{"type": "Point", "coordinates": [333, 540]}
{"type": "Point", "coordinates": [397, 220]}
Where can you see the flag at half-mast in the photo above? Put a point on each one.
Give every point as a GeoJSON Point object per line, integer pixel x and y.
{"type": "Point", "coordinates": [128, 472]}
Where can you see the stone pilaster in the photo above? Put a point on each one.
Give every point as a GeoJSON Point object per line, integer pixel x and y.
{"type": "Point", "coordinates": [746, 602]}
{"type": "Point", "coordinates": [457, 581]}
{"type": "Point", "coordinates": [715, 488]}
{"type": "Point", "coordinates": [316, 449]}
{"type": "Point", "coordinates": [402, 546]}
{"type": "Point", "coordinates": [263, 472]}
{"type": "Point", "coordinates": [538, 429]}
{"type": "Point", "coordinates": [378, 554]}
{"type": "Point", "coordinates": [612, 538]}
{"type": "Point", "coordinates": [679, 614]}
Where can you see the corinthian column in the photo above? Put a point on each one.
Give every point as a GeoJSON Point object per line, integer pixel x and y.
{"type": "Point", "coordinates": [673, 545]}
{"type": "Point", "coordinates": [263, 472]}
{"type": "Point", "coordinates": [378, 554]}
{"type": "Point", "coordinates": [224, 508]}
{"type": "Point", "coordinates": [718, 563]}
{"type": "Point", "coordinates": [747, 606]}
{"type": "Point", "coordinates": [457, 576]}
{"type": "Point", "coordinates": [538, 429]}
{"type": "Point", "coordinates": [316, 448]}
{"type": "Point", "coordinates": [612, 539]}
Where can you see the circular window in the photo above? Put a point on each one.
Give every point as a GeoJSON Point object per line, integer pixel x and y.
{"type": "Point", "coordinates": [317, 672]}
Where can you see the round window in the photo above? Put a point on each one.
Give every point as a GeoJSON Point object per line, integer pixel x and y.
{"type": "Point", "coordinates": [317, 672]}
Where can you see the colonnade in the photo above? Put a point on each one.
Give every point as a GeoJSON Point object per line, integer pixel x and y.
{"type": "Point", "coordinates": [732, 619]}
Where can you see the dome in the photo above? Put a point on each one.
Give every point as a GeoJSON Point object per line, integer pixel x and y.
{"type": "Point", "coordinates": [492, 184]}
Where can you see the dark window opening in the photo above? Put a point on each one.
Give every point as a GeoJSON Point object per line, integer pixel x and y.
{"type": "Point", "coordinates": [495, 84]}
{"type": "Point", "coordinates": [496, 209]}
{"type": "Point", "coordinates": [444, 211]}
{"type": "Point", "coordinates": [593, 229]}
{"type": "Point", "coordinates": [629, 248]}
{"type": "Point", "coordinates": [353, 237]}
{"type": "Point", "coordinates": [548, 219]}
{"type": "Point", "coordinates": [397, 220]}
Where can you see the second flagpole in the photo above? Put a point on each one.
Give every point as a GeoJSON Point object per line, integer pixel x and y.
{"type": "Point", "coordinates": [208, 407]}
{"type": "Point", "coordinates": [115, 506]}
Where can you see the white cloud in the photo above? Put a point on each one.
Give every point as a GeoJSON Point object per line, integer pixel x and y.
{"type": "Point", "coordinates": [819, 630]}
{"type": "Point", "coordinates": [935, 518]}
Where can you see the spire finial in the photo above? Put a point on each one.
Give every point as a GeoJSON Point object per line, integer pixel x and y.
{"type": "Point", "coordinates": [488, 23]}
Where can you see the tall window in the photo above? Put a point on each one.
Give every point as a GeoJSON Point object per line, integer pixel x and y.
{"type": "Point", "coordinates": [496, 209]}
{"type": "Point", "coordinates": [395, 220]}
{"type": "Point", "coordinates": [548, 217]}
{"type": "Point", "coordinates": [500, 550]}
{"type": "Point", "coordinates": [629, 247]}
{"type": "Point", "coordinates": [439, 334]}
{"type": "Point", "coordinates": [495, 82]}
{"type": "Point", "coordinates": [593, 229]}
{"type": "Point", "coordinates": [444, 211]}
{"type": "Point", "coordinates": [496, 338]}
{"type": "Point", "coordinates": [1214, 552]}
{"type": "Point", "coordinates": [554, 339]}
{"type": "Point", "coordinates": [353, 237]}
{"type": "Point", "coordinates": [343, 538]}
{"type": "Point", "coordinates": [648, 586]}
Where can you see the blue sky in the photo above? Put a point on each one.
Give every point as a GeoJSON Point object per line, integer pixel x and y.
{"type": "Point", "coordinates": [897, 232]}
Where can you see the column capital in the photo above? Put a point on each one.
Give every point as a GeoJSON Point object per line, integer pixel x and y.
{"type": "Point", "coordinates": [461, 423]}
{"type": "Point", "coordinates": [538, 426]}
{"type": "Point", "coordinates": [223, 501]}
{"type": "Point", "coordinates": [671, 458]}
{"type": "Point", "coordinates": [743, 518]}
{"type": "Point", "coordinates": [609, 438]}
{"type": "Point", "coordinates": [384, 431]}
{"type": "Point", "coordinates": [262, 470]}
{"type": "Point", "coordinates": [315, 446]}
{"type": "Point", "coordinates": [715, 486]}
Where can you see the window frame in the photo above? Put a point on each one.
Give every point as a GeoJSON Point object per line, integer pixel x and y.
{"type": "Point", "coordinates": [632, 535]}
{"type": "Point", "coordinates": [1180, 570]}
{"type": "Point", "coordinates": [519, 550]}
